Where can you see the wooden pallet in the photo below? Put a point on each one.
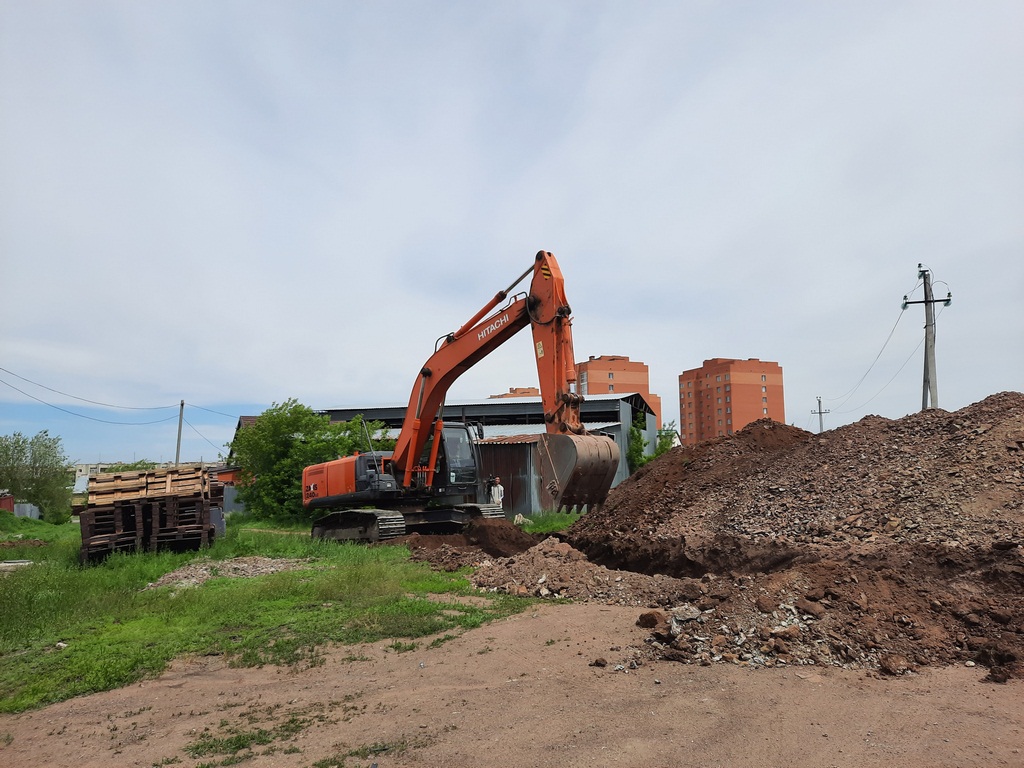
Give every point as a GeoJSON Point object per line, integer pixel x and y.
{"type": "Point", "coordinates": [149, 511]}
{"type": "Point", "coordinates": [116, 517]}
{"type": "Point", "coordinates": [157, 482]}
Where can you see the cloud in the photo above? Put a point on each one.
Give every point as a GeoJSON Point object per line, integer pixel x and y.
{"type": "Point", "coordinates": [241, 203]}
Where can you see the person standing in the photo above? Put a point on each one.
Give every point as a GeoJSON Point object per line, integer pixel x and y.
{"type": "Point", "coordinates": [497, 492]}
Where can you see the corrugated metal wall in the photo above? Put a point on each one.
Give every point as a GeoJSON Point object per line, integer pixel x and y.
{"type": "Point", "coordinates": [514, 464]}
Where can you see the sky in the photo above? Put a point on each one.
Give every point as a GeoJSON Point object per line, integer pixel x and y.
{"type": "Point", "coordinates": [232, 204]}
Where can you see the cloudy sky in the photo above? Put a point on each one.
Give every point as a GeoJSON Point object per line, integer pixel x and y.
{"type": "Point", "coordinates": [235, 203]}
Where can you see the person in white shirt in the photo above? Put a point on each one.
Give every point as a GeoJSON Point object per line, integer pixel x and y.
{"type": "Point", "coordinates": [497, 492]}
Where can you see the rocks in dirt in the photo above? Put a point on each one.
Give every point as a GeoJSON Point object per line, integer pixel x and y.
{"type": "Point", "coordinates": [555, 569]}
{"type": "Point", "coordinates": [199, 571]}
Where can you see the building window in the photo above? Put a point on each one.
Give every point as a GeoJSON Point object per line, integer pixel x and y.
{"type": "Point", "coordinates": [728, 398]}
{"type": "Point", "coordinates": [764, 389]}
{"type": "Point", "coordinates": [689, 384]}
{"type": "Point", "coordinates": [611, 387]}
{"type": "Point", "coordinates": [727, 377]}
{"type": "Point", "coordinates": [719, 399]}
{"type": "Point", "coordinates": [611, 375]}
{"type": "Point", "coordinates": [719, 412]}
{"type": "Point", "coordinates": [764, 399]}
{"type": "Point", "coordinates": [728, 387]}
{"type": "Point", "coordinates": [763, 377]}
{"type": "Point", "coordinates": [764, 411]}
{"type": "Point", "coordinates": [718, 378]}
{"type": "Point", "coordinates": [728, 421]}
{"type": "Point", "coordinates": [719, 424]}
{"type": "Point", "coordinates": [728, 409]}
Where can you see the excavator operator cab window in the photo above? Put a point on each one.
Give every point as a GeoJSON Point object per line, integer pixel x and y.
{"type": "Point", "coordinates": [460, 455]}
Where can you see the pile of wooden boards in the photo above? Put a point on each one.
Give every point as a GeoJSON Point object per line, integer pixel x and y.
{"type": "Point", "coordinates": [149, 511]}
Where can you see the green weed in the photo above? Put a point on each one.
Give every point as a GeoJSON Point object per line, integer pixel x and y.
{"type": "Point", "coordinates": [67, 630]}
{"type": "Point", "coordinates": [550, 522]}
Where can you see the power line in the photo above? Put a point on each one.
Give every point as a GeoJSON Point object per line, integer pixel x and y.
{"type": "Point", "coordinates": [890, 381]}
{"type": "Point", "coordinates": [82, 415]}
{"type": "Point", "coordinates": [210, 410]}
{"type": "Point", "coordinates": [215, 447]}
{"type": "Point", "coordinates": [84, 400]}
{"type": "Point", "coordinates": [856, 386]}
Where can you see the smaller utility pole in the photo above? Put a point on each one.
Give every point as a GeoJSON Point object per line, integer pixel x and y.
{"type": "Point", "coordinates": [930, 385]}
{"type": "Point", "coordinates": [821, 417]}
{"type": "Point", "coordinates": [181, 417]}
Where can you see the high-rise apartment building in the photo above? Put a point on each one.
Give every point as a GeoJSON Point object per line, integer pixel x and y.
{"type": "Point", "coordinates": [724, 395]}
{"type": "Point", "coordinates": [616, 373]}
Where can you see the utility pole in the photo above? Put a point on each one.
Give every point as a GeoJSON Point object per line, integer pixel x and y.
{"type": "Point", "coordinates": [181, 417]}
{"type": "Point", "coordinates": [930, 385]}
{"type": "Point", "coordinates": [821, 417]}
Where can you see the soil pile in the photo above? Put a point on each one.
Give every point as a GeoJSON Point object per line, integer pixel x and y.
{"type": "Point", "coordinates": [483, 539]}
{"type": "Point", "coordinates": [885, 544]}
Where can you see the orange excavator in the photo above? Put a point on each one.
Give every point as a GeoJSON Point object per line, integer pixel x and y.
{"type": "Point", "coordinates": [431, 482]}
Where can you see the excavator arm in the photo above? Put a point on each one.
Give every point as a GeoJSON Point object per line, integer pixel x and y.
{"type": "Point", "coordinates": [575, 468]}
{"type": "Point", "coordinates": [546, 309]}
{"type": "Point", "coordinates": [581, 466]}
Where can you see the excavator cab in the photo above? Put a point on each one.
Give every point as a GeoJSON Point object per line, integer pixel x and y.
{"type": "Point", "coordinates": [457, 470]}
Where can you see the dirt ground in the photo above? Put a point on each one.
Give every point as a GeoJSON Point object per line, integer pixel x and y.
{"type": "Point", "coordinates": [773, 598]}
{"type": "Point", "coordinates": [527, 691]}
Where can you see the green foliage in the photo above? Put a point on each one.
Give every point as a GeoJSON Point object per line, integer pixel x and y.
{"type": "Point", "coordinates": [285, 439]}
{"type": "Point", "coordinates": [67, 631]}
{"type": "Point", "coordinates": [637, 442]}
{"type": "Point", "coordinates": [142, 465]}
{"type": "Point", "coordinates": [635, 455]}
{"type": "Point", "coordinates": [37, 471]}
{"type": "Point", "coordinates": [666, 437]}
{"type": "Point", "coordinates": [550, 522]}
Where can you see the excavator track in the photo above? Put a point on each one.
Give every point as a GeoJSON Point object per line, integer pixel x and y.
{"type": "Point", "coordinates": [368, 525]}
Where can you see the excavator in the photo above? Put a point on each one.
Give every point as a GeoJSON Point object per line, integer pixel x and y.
{"type": "Point", "coordinates": [431, 482]}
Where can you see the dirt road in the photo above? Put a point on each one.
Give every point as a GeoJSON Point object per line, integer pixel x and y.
{"type": "Point", "coordinates": [526, 692]}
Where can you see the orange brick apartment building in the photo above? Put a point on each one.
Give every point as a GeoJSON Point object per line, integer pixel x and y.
{"type": "Point", "coordinates": [724, 395]}
{"type": "Point", "coordinates": [616, 373]}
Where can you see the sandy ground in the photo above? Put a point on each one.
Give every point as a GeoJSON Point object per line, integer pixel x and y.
{"type": "Point", "coordinates": [525, 692]}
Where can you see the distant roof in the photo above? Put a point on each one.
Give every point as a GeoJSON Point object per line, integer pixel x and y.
{"type": "Point", "coordinates": [496, 432]}
{"type": "Point", "coordinates": [485, 401]}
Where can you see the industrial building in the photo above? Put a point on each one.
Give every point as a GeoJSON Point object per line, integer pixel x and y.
{"type": "Point", "coordinates": [724, 395]}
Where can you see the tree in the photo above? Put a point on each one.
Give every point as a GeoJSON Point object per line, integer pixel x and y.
{"type": "Point", "coordinates": [142, 465]}
{"type": "Point", "coordinates": [635, 456]}
{"type": "Point", "coordinates": [666, 440]}
{"type": "Point", "coordinates": [37, 471]}
{"type": "Point", "coordinates": [637, 442]}
{"type": "Point", "coordinates": [286, 438]}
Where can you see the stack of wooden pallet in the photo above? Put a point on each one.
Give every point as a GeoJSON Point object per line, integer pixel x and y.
{"type": "Point", "coordinates": [148, 511]}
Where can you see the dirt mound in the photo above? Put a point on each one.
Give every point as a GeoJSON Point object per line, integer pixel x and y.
{"type": "Point", "coordinates": [483, 539]}
{"type": "Point", "coordinates": [554, 569]}
{"type": "Point", "coordinates": [887, 544]}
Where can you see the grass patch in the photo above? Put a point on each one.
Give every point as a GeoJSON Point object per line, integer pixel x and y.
{"type": "Point", "coordinates": [67, 630]}
{"type": "Point", "coordinates": [550, 522]}
{"type": "Point", "coordinates": [395, 748]}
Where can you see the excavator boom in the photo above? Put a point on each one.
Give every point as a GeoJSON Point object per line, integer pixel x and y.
{"type": "Point", "coordinates": [577, 468]}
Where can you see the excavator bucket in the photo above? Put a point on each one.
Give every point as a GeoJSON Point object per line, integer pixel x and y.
{"type": "Point", "coordinates": [577, 470]}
